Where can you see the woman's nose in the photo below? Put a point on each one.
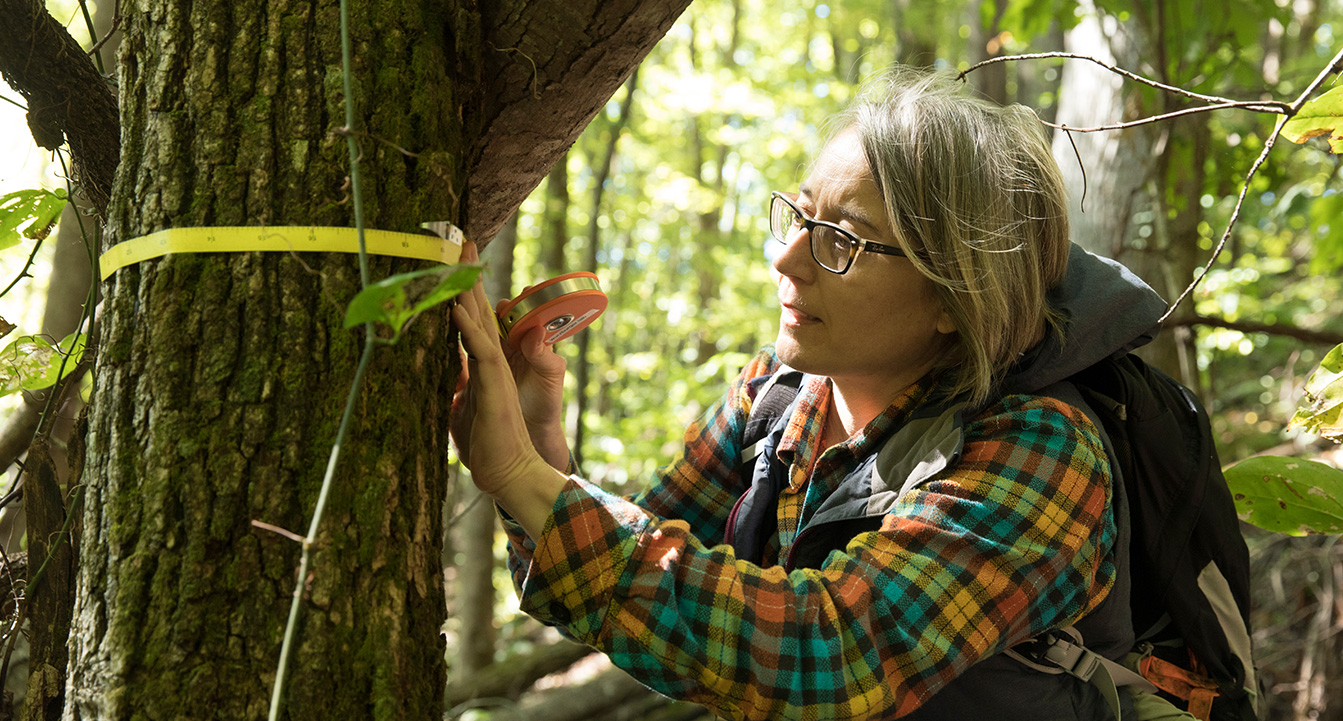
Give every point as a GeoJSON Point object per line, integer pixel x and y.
{"type": "Point", "coordinates": [794, 260]}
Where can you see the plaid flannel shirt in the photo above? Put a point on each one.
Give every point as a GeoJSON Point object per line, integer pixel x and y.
{"type": "Point", "coordinates": [1015, 539]}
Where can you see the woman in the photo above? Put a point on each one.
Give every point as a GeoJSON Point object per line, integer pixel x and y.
{"type": "Point", "coordinates": [915, 508]}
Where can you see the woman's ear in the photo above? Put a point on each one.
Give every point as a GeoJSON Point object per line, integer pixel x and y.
{"type": "Point", "coordinates": [944, 323]}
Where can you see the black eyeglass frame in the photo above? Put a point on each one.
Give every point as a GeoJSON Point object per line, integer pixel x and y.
{"type": "Point", "coordinates": [856, 244]}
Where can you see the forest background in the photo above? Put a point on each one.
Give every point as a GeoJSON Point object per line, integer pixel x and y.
{"type": "Point", "coordinates": [664, 197]}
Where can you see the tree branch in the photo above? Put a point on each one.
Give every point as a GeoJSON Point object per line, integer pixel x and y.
{"type": "Point", "coordinates": [526, 73]}
{"type": "Point", "coordinates": [1318, 337]}
{"type": "Point", "coordinates": [1246, 105]}
{"type": "Point", "coordinates": [1279, 108]}
{"type": "Point", "coordinates": [67, 98]}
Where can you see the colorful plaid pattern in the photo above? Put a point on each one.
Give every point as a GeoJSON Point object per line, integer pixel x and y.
{"type": "Point", "coordinates": [1014, 540]}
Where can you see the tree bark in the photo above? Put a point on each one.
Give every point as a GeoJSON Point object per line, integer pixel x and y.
{"type": "Point", "coordinates": [557, 219]}
{"type": "Point", "coordinates": [222, 377]}
{"type": "Point", "coordinates": [49, 594]}
{"type": "Point", "coordinates": [67, 99]}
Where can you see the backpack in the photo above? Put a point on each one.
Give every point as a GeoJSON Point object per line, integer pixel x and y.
{"type": "Point", "coordinates": [1189, 565]}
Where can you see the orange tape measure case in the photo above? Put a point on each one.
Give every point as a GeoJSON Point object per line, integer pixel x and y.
{"type": "Point", "coordinates": [563, 306]}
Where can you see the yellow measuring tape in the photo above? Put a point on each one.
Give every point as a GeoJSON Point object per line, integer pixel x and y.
{"type": "Point", "coordinates": [289, 238]}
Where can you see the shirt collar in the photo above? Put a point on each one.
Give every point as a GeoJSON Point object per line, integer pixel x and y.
{"type": "Point", "coordinates": [799, 447]}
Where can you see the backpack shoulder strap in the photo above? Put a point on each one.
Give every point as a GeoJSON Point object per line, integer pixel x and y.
{"type": "Point", "coordinates": [771, 402]}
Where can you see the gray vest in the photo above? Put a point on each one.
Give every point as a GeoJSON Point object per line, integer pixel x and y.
{"type": "Point", "coordinates": [998, 687]}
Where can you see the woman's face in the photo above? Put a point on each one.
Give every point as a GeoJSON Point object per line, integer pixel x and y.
{"type": "Point", "coordinates": [879, 327]}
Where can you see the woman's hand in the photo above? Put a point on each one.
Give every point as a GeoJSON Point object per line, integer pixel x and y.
{"type": "Point", "coordinates": [488, 426]}
{"type": "Point", "coordinates": [538, 373]}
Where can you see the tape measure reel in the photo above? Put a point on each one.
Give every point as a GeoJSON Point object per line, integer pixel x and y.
{"type": "Point", "coordinates": [562, 306]}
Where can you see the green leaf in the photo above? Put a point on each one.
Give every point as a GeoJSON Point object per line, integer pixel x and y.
{"type": "Point", "coordinates": [29, 214]}
{"type": "Point", "coordinates": [1288, 495]}
{"type": "Point", "coordinates": [396, 300]}
{"type": "Point", "coordinates": [1321, 116]}
{"type": "Point", "coordinates": [1326, 217]}
{"type": "Point", "coordinates": [31, 362]}
{"type": "Point", "coordinates": [1321, 409]}
{"type": "Point", "coordinates": [1029, 19]}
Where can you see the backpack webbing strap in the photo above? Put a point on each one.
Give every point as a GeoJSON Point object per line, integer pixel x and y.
{"type": "Point", "coordinates": [1195, 688]}
{"type": "Point", "coordinates": [1063, 652]}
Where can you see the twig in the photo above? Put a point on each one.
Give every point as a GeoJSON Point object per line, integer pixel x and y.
{"type": "Point", "coordinates": [1231, 223]}
{"type": "Point", "coordinates": [1294, 108]}
{"type": "Point", "coordinates": [59, 390]}
{"type": "Point", "coordinates": [11, 638]}
{"type": "Point", "coordinates": [55, 544]}
{"type": "Point", "coordinates": [464, 511]}
{"type": "Point", "coordinates": [1266, 104]}
{"type": "Point", "coordinates": [1247, 105]}
{"type": "Point", "coordinates": [1081, 204]}
{"type": "Point", "coordinates": [535, 94]}
{"type": "Point", "coordinates": [116, 23]}
{"type": "Point", "coordinates": [277, 530]}
{"type": "Point", "coordinates": [1306, 335]}
{"type": "Point", "coordinates": [93, 34]}
{"type": "Point", "coordinates": [24, 272]}
{"type": "Point", "coordinates": [15, 491]}
{"type": "Point", "coordinates": [347, 131]}
{"type": "Point", "coordinates": [15, 103]}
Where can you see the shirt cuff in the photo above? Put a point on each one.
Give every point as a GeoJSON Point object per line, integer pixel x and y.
{"type": "Point", "coordinates": [577, 564]}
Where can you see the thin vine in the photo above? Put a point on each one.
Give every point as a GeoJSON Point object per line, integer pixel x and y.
{"type": "Point", "coordinates": [370, 342]}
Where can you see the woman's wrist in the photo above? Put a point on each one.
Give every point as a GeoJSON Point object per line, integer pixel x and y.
{"type": "Point", "coordinates": [552, 445]}
{"type": "Point", "coordinates": [531, 496]}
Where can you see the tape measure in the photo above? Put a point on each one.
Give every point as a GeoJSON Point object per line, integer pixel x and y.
{"type": "Point", "coordinates": [562, 306]}
{"type": "Point", "coordinates": [286, 238]}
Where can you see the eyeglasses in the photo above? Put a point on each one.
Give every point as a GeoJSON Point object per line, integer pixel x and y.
{"type": "Point", "coordinates": [833, 247]}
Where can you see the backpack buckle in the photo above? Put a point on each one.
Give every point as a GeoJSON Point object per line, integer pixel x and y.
{"type": "Point", "coordinates": [1073, 659]}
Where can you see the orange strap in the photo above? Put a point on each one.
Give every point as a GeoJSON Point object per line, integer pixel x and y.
{"type": "Point", "coordinates": [1180, 682]}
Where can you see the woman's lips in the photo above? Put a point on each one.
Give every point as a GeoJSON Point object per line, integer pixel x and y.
{"type": "Point", "coordinates": [792, 315]}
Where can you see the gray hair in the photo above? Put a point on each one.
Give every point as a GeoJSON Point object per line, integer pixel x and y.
{"type": "Point", "coordinates": [975, 198]}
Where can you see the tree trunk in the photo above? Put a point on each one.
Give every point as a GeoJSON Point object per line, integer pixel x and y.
{"type": "Point", "coordinates": [223, 376]}
{"type": "Point", "coordinates": [1117, 163]}
{"type": "Point", "coordinates": [48, 595]}
{"type": "Point", "coordinates": [990, 80]}
{"type": "Point", "coordinates": [549, 67]}
{"type": "Point", "coordinates": [1171, 255]}
{"type": "Point", "coordinates": [601, 171]}
{"type": "Point", "coordinates": [557, 220]}
{"type": "Point", "coordinates": [913, 44]}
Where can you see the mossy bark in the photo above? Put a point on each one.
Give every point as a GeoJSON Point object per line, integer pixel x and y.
{"type": "Point", "coordinates": [221, 377]}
